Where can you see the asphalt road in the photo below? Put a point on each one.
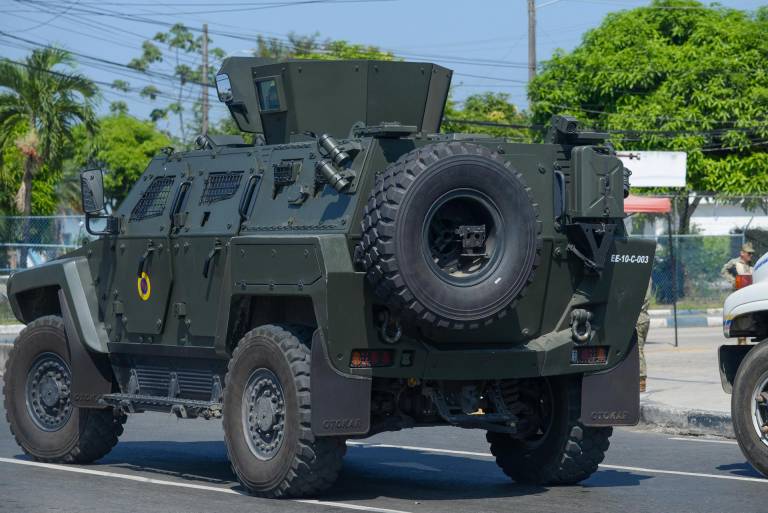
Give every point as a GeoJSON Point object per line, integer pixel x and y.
{"type": "Point", "coordinates": [166, 465]}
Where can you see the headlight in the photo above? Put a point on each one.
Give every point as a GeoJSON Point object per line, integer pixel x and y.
{"type": "Point", "coordinates": [727, 326]}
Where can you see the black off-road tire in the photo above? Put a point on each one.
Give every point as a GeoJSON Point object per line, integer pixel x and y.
{"type": "Point", "coordinates": [398, 263]}
{"type": "Point", "coordinates": [568, 453]}
{"type": "Point", "coordinates": [88, 434]}
{"type": "Point", "coordinates": [751, 372]}
{"type": "Point", "coordinates": [303, 464]}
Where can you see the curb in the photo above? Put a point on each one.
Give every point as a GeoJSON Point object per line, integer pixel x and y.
{"type": "Point", "coordinates": [667, 312]}
{"type": "Point", "coordinates": [687, 321]}
{"type": "Point", "coordinates": [11, 329]}
{"type": "Point", "coordinates": [685, 421]}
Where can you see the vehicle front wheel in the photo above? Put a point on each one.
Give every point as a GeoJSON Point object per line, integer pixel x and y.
{"type": "Point", "coordinates": [749, 407]}
{"type": "Point", "coordinates": [559, 450]}
{"type": "Point", "coordinates": [38, 402]}
{"type": "Point", "coordinates": [267, 414]}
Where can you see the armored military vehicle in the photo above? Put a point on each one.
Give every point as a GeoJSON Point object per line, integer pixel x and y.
{"type": "Point", "coordinates": [351, 272]}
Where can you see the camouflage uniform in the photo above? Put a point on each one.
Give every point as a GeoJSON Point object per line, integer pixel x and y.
{"type": "Point", "coordinates": [735, 267]}
{"type": "Point", "coordinates": [642, 326]}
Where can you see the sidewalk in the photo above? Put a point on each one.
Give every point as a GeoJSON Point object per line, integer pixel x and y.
{"type": "Point", "coordinates": [684, 390]}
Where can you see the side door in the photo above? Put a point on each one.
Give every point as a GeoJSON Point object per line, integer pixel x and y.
{"type": "Point", "coordinates": [201, 249]}
{"type": "Point", "coordinates": [142, 281]}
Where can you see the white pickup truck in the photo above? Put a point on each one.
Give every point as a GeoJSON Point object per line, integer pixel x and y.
{"type": "Point", "coordinates": [744, 368]}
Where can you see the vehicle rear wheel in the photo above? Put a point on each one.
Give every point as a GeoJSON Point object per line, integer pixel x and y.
{"type": "Point", "coordinates": [561, 450]}
{"type": "Point", "coordinates": [267, 417]}
{"type": "Point", "coordinates": [38, 405]}
{"type": "Point", "coordinates": [749, 407]}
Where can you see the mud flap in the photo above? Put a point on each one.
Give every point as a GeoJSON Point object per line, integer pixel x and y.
{"type": "Point", "coordinates": [341, 404]}
{"type": "Point", "coordinates": [612, 398]}
{"type": "Point", "coordinates": [729, 358]}
{"type": "Point", "coordinates": [91, 373]}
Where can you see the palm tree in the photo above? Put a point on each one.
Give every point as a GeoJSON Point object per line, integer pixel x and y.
{"type": "Point", "coordinates": [47, 104]}
{"type": "Point", "coordinates": [43, 104]}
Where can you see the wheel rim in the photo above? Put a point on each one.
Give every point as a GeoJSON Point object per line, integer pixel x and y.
{"type": "Point", "coordinates": [48, 389]}
{"type": "Point", "coordinates": [759, 408]}
{"type": "Point", "coordinates": [457, 216]}
{"type": "Point", "coordinates": [543, 408]}
{"type": "Point", "coordinates": [263, 414]}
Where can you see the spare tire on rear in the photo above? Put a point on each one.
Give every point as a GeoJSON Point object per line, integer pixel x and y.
{"type": "Point", "coordinates": [451, 235]}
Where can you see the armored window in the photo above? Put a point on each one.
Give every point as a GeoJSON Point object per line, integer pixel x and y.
{"type": "Point", "coordinates": [269, 99]}
{"type": "Point", "coordinates": [220, 186]}
{"type": "Point", "coordinates": [152, 202]}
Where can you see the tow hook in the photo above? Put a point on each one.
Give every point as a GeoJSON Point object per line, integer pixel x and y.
{"type": "Point", "coordinates": [581, 328]}
{"type": "Point", "coordinates": [391, 330]}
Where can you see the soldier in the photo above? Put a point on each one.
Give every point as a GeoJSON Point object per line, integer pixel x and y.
{"type": "Point", "coordinates": [741, 265]}
{"type": "Point", "coordinates": [643, 323]}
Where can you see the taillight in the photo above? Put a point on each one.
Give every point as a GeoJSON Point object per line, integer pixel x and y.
{"type": "Point", "coordinates": [366, 358]}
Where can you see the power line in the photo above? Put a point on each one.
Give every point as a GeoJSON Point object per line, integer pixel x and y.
{"type": "Point", "coordinates": [107, 61]}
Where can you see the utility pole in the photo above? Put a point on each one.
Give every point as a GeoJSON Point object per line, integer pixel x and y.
{"type": "Point", "coordinates": [531, 40]}
{"type": "Point", "coordinates": [205, 79]}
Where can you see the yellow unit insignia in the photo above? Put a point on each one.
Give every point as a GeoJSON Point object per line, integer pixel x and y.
{"type": "Point", "coordinates": [144, 286]}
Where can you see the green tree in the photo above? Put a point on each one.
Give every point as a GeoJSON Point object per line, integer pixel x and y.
{"type": "Point", "coordinates": [492, 108]}
{"type": "Point", "coordinates": [182, 73]}
{"type": "Point", "coordinates": [675, 75]}
{"type": "Point", "coordinates": [39, 108]}
{"type": "Point", "coordinates": [312, 47]}
{"type": "Point", "coordinates": [123, 147]}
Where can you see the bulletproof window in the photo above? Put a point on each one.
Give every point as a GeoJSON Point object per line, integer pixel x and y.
{"type": "Point", "coordinates": [152, 202]}
{"type": "Point", "coordinates": [220, 186]}
{"type": "Point", "coordinates": [269, 99]}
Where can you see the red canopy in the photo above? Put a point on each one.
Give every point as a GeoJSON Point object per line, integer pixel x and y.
{"type": "Point", "coordinates": [647, 205]}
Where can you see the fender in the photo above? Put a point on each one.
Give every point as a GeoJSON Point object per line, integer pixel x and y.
{"type": "Point", "coordinates": [341, 404]}
{"type": "Point", "coordinates": [73, 277]}
{"type": "Point", "coordinates": [729, 359]}
{"type": "Point", "coordinates": [65, 288]}
{"type": "Point", "coordinates": [612, 398]}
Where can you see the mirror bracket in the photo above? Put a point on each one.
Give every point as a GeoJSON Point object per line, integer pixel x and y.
{"type": "Point", "coordinates": [112, 228]}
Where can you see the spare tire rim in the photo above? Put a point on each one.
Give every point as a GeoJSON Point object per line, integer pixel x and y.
{"type": "Point", "coordinates": [263, 414]}
{"type": "Point", "coordinates": [759, 407]}
{"type": "Point", "coordinates": [461, 237]}
{"type": "Point", "coordinates": [48, 389]}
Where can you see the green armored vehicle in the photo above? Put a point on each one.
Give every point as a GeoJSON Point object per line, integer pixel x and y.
{"type": "Point", "coordinates": [352, 272]}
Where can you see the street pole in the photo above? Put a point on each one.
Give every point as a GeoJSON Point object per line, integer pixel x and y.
{"type": "Point", "coordinates": [205, 79]}
{"type": "Point", "coordinates": [531, 40]}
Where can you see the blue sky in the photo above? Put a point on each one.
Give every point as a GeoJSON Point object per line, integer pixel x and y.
{"type": "Point", "coordinates": [483, 41]}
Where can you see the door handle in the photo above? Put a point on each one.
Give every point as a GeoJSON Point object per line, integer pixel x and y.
{"type": "Point", "coordinates": [245, 199]}
{"type": "Point", "coordinates": [143, 260]}
{"type": "Point", "coordinates": [178, 199]}
{"type": "Point", "coordinates": [211, 255]}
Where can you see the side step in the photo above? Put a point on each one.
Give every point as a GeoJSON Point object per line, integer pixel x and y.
{"type": "Point", "coordinates": [182, 408]}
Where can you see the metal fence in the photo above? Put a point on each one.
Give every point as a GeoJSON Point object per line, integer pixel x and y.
{"type": "Point", "coordinates": [30, 241]}
{"type": "Point", "coordinates": [686, 270]}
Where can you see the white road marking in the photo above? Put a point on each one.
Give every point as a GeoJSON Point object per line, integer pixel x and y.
{"type": "Point", "coordinates": [686, 439]}
{"type": "Point", "coordinates": [410, 465]}
{"type": "Point", "coordinates": [344, 505]}
{"type": "Point", "coordinates": [425, 449]}
{"type": "Point", "coordinates": [219, 489]}
{"type": "Point", "coordinates": [690, 474]}
{"type": "Point", "coordinates": [611, 467]}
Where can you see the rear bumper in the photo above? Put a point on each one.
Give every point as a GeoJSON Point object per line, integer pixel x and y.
{"type": "Point", "coordinates": [548, 355]}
